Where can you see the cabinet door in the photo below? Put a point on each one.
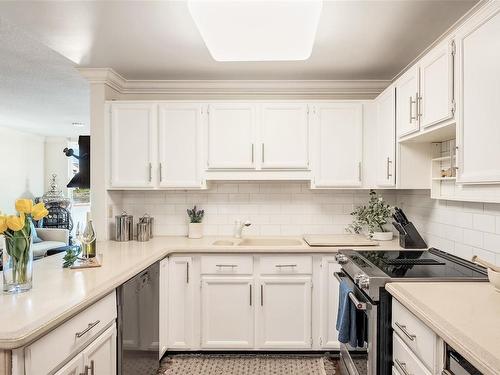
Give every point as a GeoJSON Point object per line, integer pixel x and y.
{"type": "Point", "coordinates": [284, 319]}
{"type": "Point", "coordinates": [180, 145]}
{"type": "Point", "coordinates": [231, 136]}
{"type": "Point", "coordinates": [338, 139]}
{"type": "Point", "coordinates": [386, 137]}
{"type": "Point", "coordinates": [407, 103]}
{"type": "Point", "coordinates": [478, 134]}
{"type": "Point", "coordinates": [163, 307]}
{"type": "Point", "coordinates": [436, 86]}
{"type": "Point", "coordinates": [180, 303]}
{"type": "Point", "coordinates": [133, 129]}
{"type": "Point", "coordinates": [284, 134]}
{"type": "Point", "coordinates": [227, 308]}
{"type": "Point", "coordinates": [73, 367]}
{"type": "Point", "coordinates": [100, 356]}
{"type": "Point", "coordinates": [329, 303]}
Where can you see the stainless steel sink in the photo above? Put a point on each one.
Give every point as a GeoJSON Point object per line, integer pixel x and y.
{"type": "Point", "coordinates": [260, 242]}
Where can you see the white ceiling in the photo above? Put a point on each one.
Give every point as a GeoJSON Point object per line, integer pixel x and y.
{"type": "Point", "coordinates": [40, 91]}
{"type": "Point", "coordinates": [158, 39]}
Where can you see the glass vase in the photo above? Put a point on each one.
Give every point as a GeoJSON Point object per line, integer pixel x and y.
{"type": "Point", "coordinates": [17, 258]}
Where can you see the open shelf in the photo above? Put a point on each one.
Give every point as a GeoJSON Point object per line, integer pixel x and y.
{"type": "Point", "coordinates": [444, 158]}
{"type": "Point", "coordinates": [443, 178]}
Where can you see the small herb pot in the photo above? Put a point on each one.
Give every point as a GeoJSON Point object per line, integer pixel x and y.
{"type": "Point", "coordinates": [382, 236]}
{"type": "Point", "coordinates": [195, 230]}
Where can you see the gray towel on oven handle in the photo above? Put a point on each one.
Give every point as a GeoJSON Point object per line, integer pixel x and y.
{"type": "Point", "coordinates": [346, 316]}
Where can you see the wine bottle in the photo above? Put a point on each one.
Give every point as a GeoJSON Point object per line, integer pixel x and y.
{"type": "Point", "coordinates": [89, 235]}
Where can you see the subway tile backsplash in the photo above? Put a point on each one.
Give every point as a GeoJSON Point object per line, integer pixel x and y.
{"type": "Point", "coordinates": [461, 228]}
{"type": "Point", "coordinates": [285, 208]}
{"type": "Point", "coordinates": [291, 208]}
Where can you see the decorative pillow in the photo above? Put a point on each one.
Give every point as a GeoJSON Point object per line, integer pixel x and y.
{"type": "Point", "coordinates": [34, 235]}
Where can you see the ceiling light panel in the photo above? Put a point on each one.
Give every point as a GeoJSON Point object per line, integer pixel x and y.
{"type": "Point", "coordinates": [257, 30]}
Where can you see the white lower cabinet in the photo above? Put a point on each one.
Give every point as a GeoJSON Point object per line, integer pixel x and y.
{"type": "Point", "coordinates": [180, 303]}
{"type": "Point", "coordinates": [249, 302]}
{"type": "Point", "coordinates": [329, 304]}
{"type": "Point", "coordinates": [227, 312]}
{"type": "Point", "coordinates": [284, 318]}
{"type": "Point", "coordinates": [99, 358]}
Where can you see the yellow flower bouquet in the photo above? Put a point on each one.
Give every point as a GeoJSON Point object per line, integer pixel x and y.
{"type": "Point", "coordinates": [16, 245]}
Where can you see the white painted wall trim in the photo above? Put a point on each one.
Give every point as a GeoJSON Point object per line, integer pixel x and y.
{"type": "Point", "coordinates": [356, 89]}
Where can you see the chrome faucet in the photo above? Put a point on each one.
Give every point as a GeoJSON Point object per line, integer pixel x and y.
{"type": "Point", "coordinates": [238, 227]}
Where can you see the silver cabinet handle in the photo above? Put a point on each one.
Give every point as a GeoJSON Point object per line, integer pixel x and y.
{"type": "Point", "coordinates": [405, 331]}
{"type": "Point", "coordinates": [150, 172]}
{"type": "Point", "coordinates": [402, 366]}
{"type": "Point", "coordinates": [252, 152]}
{"type": "Point", "coordinates": [411, 109]}
{"type": "Point", "coordinates": [226, 265]}
{"type": "Point", "coordinates": [161, 178]}
{"type": "Point", "coordinates": [358, 305]}
{"type": "Point", "coordinates": [187, 273]}
{"type": "Point", "coordinates": [359, 171]}
{"type": "Point", "coordinates": [263, 152]}
{"type": "Point", "coordinates": [261, 295]}
{"type": "Point", "coordinates": [89, 327]}
{"type": "Point", "coordinates": [285, 265]}
{"type": "Point", "coordinates": [250, 294]}
{"type": "Point", "coordinates": [418, 105]}
{"type": "Point", "coordinates": [389, 174]}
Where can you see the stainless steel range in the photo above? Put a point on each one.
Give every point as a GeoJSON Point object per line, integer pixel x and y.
{"type": "Point", "coordinates": [367, 272]}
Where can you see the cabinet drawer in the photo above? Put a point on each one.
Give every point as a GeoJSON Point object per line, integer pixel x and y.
{"type": "Point", "coordinates": [404, 360]}
{"type": "Point", "coordinates": [45, 354]}
{"type": "Point", "coordinates": [415, 334]}
{"type": "Point", "coordinates": [227, 265]}
{"type": "Point", "coordinates": [285, 265]}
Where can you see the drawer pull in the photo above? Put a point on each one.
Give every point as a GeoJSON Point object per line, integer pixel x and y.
{"type": "Point", "coordinates": [402, 366]}
{"type": "Point", "coordinates": [226, 265]}
{"type": "Point", "coordinates": [405, 331]}
{"type": "Point", "coordinates": [89, 327]}
{"type": "Point", "coordinates": [285, 265]}
{"type": "Point", "coordinates": [91, 368]}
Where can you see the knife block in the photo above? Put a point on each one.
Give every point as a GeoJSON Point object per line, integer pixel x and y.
{"type": "Point", "coordinates": [411, 239]}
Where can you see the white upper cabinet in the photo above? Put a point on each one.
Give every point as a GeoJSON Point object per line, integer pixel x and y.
{"type": "Point", "coordinates": [231, 136]}
{"type": "Point", "coordinates": [386, 137]}
{"type": "Point", "coordinates": [133, 130]}
{"type": "Point", "coordinates": [407, 97]}
{"type": "Point", "coordinates": [478, 131]}
{"type": "Point", "coordinates": [436, 85]}
{"type": "Point", "coordinates": [284, 134]}
{"type": "Point", "coordinates": [338, 145]}
{"type": "Point", "coordinates": [180, 145]}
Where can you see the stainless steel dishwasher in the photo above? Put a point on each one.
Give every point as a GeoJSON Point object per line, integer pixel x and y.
{"type": "Point", "coordinates": [138, 323]}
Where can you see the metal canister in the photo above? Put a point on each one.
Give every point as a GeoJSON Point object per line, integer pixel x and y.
{"type": "Point", "coordinates": [124, 227]}
{"type": "Point", "coordinates": [142, 231]}
{"type": "Point", "coordinates": [149, 220]}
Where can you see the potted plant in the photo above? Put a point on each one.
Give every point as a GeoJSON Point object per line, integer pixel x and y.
{"type": "Point", "coordinates": [195, 229]}
{"type": "Point", "coordinates": [373, 217]}
{"type": "Point", "coordinates": [16, 238]}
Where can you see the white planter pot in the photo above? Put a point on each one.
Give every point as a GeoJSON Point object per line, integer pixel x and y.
{"type": "Point", "coordinates": [382, 236]}
{"type": "Point", "coordinates": [195, 230]}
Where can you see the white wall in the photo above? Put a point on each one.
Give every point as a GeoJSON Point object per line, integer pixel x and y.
{"type": "Point", "coordinates": [56, 162]}
{"type": "Point", "coordinates": [461, 228]}
{"type": "Point", "coordinates": [21, 167]}
{"type": "Point", "coordinates": [284, 208]}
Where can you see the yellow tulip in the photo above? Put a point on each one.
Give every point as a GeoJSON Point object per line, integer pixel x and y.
{"type": "Point", "coordinates": [3, 224]}
{"type": "Point", "coordinates": [15, 223]}
{"type": "Point", "coordinates": [24, 206]}
{"type": "Point", "coordinates": [39, 211]}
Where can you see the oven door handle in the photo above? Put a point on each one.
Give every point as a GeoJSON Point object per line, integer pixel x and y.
{"type": "Point", "coordinates": [357, 304]}
{"type": "Point", "coordinates": [337, 276]}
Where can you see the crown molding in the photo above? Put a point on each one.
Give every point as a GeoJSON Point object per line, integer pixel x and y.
{"type": "Point", "coordinates": [355, 89]}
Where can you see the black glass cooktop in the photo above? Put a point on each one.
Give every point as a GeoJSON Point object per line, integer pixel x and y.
{"type": "Point", "coordinates": [420, 264]}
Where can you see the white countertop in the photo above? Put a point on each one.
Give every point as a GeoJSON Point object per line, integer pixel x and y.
{"type": "Point", "coordinates": [59, 293]}
{"type": "Point", "coordinates": [465, 315]}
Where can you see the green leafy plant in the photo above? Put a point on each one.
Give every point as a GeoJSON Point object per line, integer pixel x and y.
{"type": "Point", "coordinates": [372, 216]}
{"type": "Point", "coordinates": [195, 216]}
{"type": "Point", "coordinates": [71, 256]}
